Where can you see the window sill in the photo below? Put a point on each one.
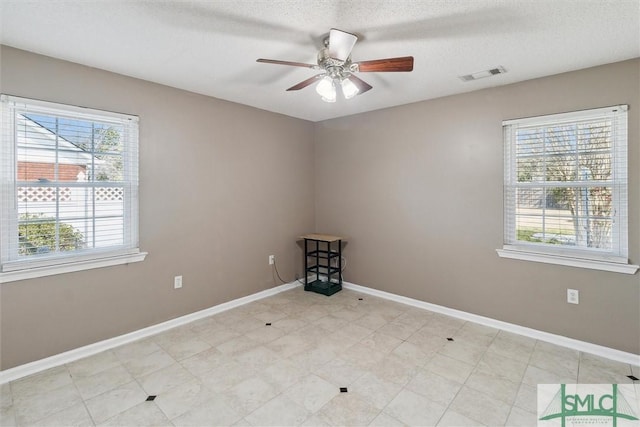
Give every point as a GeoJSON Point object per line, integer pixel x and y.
{"type": "Point", "coordinates": [32, 273]}
{"type": "Point", "coordinates": [524, 255]}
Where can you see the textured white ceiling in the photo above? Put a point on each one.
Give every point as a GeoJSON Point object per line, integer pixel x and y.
{"type": "Point", "coordinates": [210, 47]}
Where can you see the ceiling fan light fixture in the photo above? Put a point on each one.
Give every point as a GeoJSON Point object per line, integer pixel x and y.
{"type": "Point", "coordinates": [326, 88]}
{"type": "Point", "coordinates": [349, 90]}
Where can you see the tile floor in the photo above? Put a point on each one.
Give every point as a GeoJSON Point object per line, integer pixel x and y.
{"type": "Point", "coordinates": [282, 360]}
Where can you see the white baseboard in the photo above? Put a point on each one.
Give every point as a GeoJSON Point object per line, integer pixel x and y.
{"type": "Point", "coordinates": [91, 349]}
{"type": "Point", "coordinates": [598, 350]}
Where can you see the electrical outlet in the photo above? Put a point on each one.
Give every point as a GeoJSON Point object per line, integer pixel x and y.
{"type": "Point", "coordinates": [272, 259]}
{"type": "Point", "coordinates": [573, 296]}
{"type": "Point", "coordinates": [177, 282]}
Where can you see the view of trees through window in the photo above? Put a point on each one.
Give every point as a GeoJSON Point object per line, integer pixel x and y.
{"type": "Point", "coordinates": [564, 190]}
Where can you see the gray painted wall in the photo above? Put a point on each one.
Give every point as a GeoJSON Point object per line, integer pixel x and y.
{"type": "Point", "coordinates": [418, 190]}
{"type": "Point", "coordinates": [222, 186]}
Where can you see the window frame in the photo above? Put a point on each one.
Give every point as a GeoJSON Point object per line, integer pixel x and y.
{"type": "Point", "coordinates": [616, 259]}
{"type": "Point", "coordinates": [12, 266]}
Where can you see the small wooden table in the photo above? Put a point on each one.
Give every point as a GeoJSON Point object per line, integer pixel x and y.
{"type": "Point", "coordinates": [325, 264]}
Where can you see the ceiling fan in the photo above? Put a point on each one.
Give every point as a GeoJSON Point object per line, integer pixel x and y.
{"type": "Point", "coordinates": [337, 68]}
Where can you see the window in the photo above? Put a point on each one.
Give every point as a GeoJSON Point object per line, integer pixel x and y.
{"type": "Point", "coordinates": [565, 189]}
{"type": "Point", "coordinates": [69, 179]}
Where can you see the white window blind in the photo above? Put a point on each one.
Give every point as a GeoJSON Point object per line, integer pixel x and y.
{"type": "Point", "coordinates": [565, 189]}
{"type": "Point", "coordinates": [69, 184]}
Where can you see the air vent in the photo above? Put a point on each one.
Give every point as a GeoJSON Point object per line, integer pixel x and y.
{"type": "Point", "coordinates": [483, 74]}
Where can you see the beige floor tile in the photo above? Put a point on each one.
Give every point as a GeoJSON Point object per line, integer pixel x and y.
{"type": "Point", "coordinates": [214, 412]}
{"type": "Point", "coordinates": [521, 418]}
{"type": "Point", "coordinates": [412, 354]}
{"type": "Point", "coordinates": [270, 316]}
{"type": "Point", "coordinates": [185, 347]}
{"type": "Point", "coordinates": [42, 382]}
{"type": "Point", "coordinates": [494, 386]}
{"type": "Point", "coordinates": [592, 374]}
{"type": "Point", "coordinates": [248, 395]}
{"type": "Point", "coordinates": [527, 398]}
{"type": "Point", "coordinates": [534, 376]}
{"type": "Point", "coordinates": [339, 372]}
{"type": "Point", "coordinates": [184, 398]}
{"type": "Point", "coordinates": [279, 411]}
{"type": "Point", "coordinates": [283, 374]}
{"type": "Point", "coordinates": [6, 398]}
{"type": "Point", "coordinates": [508, 347]}
{"type": "Point", "coordinates": [371, 321]}
{"type": "Point", "coordinates": [256, 358]}
{"type": "Point", "coordinates": [434, 387]}
{"type": "Point", "coordinates": [378, 391]}
{"type": "Point", "coordinates": [395, 369]}
{"type": "Point", "coordinates": [237, 345]}
{"type": "Point", "coordinates": [46, 404]}
{"type": "Point", "coordinates": [219, 336]}
{"type": "Point", "coordinates": [289, 345]}
{"type": "Point", "coordinates": [250, 323]}
{"type": "Point", "coordinates": [310, 359]}
{"type": "Point", "coordinates": [8, 417]}
{"type": "Point", "coordinates": [145, 414]}
{"type": "Point", "coordinates": [232, 369]}
{"type": "Point", "coordinates": [314, 420]}
{"type": "Point", "coordinates": [225, 376]}
{"type": "Point", "coordinates": [136, 350]}
{"type": "Point", "coordinates": [330, 322]}
{"type": "Point", "coordinates": [92, 365]}
{"type": "Point", "coordinates": [501, 366]}
{"type": "Point", "coordinates": [414, 409]}
{"type": "Point", "coordinates": [380, 342]}
{"type": "Point", "coordinates": [447, 367]}
{"type": "Point", "coordinates": [349, 314]}
{"type": "Point", "coordinates": [363, 356]}
{"type": "Point", "coordinates": [205, 361]}
{"type": "Point", "coordinates": [354, 332]}
{"type": "Point", "coordinates": [265, 335]}
{"type": "Point", "coordinates": [115, 401]}
{"type": "Point", "coordinates": [204, 325]}
{"type": "Point", "coordinates": [145, 365]}
{"type": "Point", "coordinates": [103, 381]}
{"type": "Point", "coordinates": [348, 409]}
{"type": "Point", "coordinates": [398, 330]}
{"type": "Point", "coordinates": [454, 419]}
{"type": "Point", "coordinates": [441, 328]}
{"type": "Point", "coordinates": [74, 416]}
{"type": "Point", "coordinates": [384, 420]}
{"type": "Point", "coordinates": [467, 353]}
{"type": "Point", "coordinates": [165, 379]}
{"type": "Point", "coordinates": [312, 392]}
{"type": "Point", "coordinates": [291, 324]}
{"type": "Point", "coordinates": [480, 407]}
{"type": "Point", "coordinates": [561, 363]}
{"type": "Point", "coordinates": [427, 342]}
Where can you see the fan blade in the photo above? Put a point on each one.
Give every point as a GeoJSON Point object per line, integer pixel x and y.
{"type": "Point", "coordinates": [404, 63]}
{"type": "Point", "coordinates": [360, 84]}
{"type": "Point", "coordinates": [305, 83]}
{"type": "Point", "coordinates": [340, 44]}
{"type": "Point", "coordinates": [293, 64]}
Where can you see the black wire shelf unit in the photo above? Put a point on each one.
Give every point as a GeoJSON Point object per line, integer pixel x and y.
{"type": "Point", "coordinates": [322, 263]}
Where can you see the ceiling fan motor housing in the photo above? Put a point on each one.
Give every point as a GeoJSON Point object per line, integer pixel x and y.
{"type": "Point", "coordinates": [334, 67]}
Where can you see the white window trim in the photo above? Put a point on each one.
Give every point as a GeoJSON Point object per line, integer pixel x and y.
{"type": "Point", "coordinates": [71, 266]}
{"type": "Point", "coordinates": [56, 264]}
{"type": "Point", "coordinates": [567, 256]}
{"type": "Point", "coordinates": [528, 255]}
